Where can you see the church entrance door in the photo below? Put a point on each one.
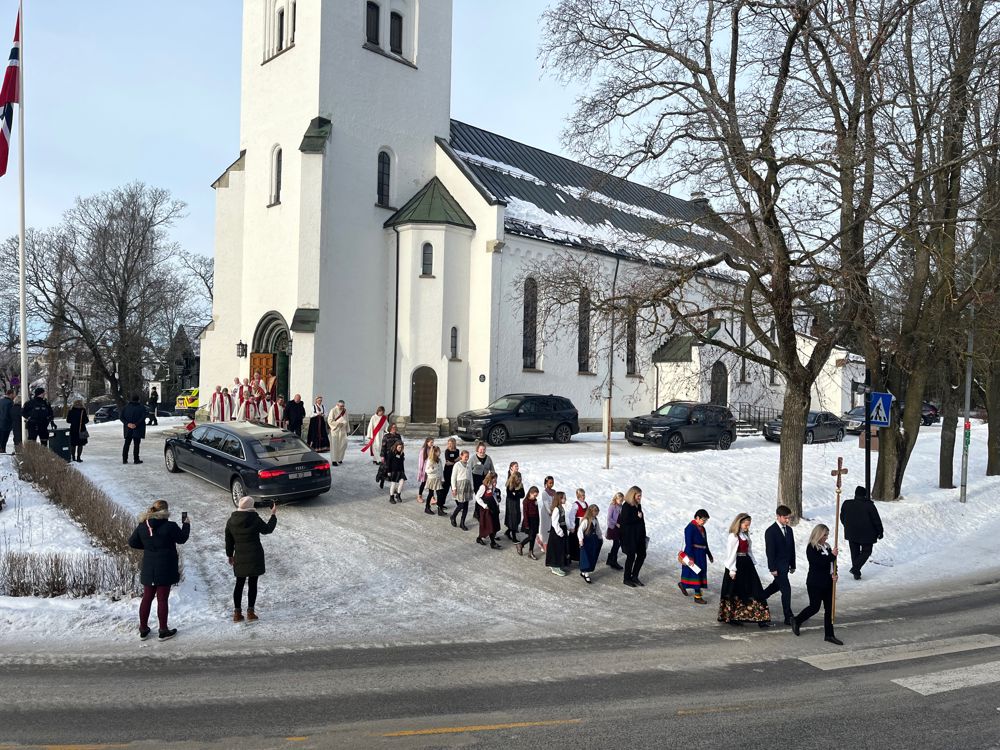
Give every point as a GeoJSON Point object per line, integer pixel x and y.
{"type": "Point", "coordinates": [720, 384]}
{"type": "Point", "coordinates": [423, 396]}
{"type": "Point", "coordinates": [271, 344]}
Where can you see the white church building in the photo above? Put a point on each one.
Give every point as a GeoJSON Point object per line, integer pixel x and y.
{"type": "Point", "coordinates": [370, 248]}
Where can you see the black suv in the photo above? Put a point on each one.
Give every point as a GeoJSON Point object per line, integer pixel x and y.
{"type": "Point", "coordinates": [518, 416]}
{"type": "Point", "coordinates": [680, 423]}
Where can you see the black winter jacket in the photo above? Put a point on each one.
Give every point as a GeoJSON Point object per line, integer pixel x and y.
{"type": "Point", "coordinates": [862, 523]}
{"type": "Point", "coordinates": [243, 530]}
{"type": "Point", "coordinates": [633, 528]}
{"type": "Point", "coordinates": [158, 539]}
{"type": "Point", "coordinates": [134, 413]}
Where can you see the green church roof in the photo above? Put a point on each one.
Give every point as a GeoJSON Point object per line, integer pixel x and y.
{"type": "Point", "coordinates": [433, 204]}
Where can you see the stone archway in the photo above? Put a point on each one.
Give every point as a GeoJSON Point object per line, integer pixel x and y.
{"type": "Point", "coordinates": [423, 396]}
{"type": "Point", "coordinates": [720, 384]}
{"type": "Point", "coordinates": [271, 341]}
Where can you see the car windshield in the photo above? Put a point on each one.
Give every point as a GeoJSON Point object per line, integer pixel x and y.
{"type": "Point", "coordinates": [505, 403]}
{"type": "Point", "coordinates": [812, 416]}
{"type": "Point", "coordinates": [278, 445]}
{"type": "Point", "coordinates": [674, 411]}
{"type": "Point", "coordinates": [857, 411]}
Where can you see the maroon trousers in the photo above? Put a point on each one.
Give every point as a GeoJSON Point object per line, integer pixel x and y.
{"type": "Point", "coordinates": [161, 593]}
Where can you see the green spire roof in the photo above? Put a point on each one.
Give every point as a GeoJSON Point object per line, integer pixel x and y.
{"type": "Point", "coordinates": [433, 204]}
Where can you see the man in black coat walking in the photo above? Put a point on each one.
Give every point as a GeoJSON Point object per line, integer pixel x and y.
{"type": "Point", "coordinates": [39, 415]}
{"type": "Point", "coordinates": [862, 528]}
{"type": "Point", "coordinates": [779, 543]}
{"type": "Point", "coordinates": [295, 414]}
{"type": "Point", "coordinates": [6, 419]}
{"type": "Point", "coordinates": [153, 401]}
{"type": "Point", "coordinates": [134, 428]}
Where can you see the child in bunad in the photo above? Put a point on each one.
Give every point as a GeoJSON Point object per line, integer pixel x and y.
{"type": "Point", "coordinates": [515, 494]}
{"type": "Point", "coordinates": [590, 539]}
{"type": "Point", "coordinates": [489, 511]}
{"type": "Point", "coordinates": [696, 550]}
{"type": "Point", "coordinates": [614, 532]}
{"type": "Point", "coordinates": [434, 474]}
{"type": "Point", "coordinates": [395, 473]}
{"type": "Point", "coordinates": [575, 514]}
{"type": "Point", "coordinates": [529, 522]}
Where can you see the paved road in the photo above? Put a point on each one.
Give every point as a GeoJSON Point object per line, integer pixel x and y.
{"type": "Point", "coordinates": [919, 675]}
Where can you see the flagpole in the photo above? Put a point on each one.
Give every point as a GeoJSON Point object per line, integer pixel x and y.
{"type": "Point", "coordinates": [20, 169]}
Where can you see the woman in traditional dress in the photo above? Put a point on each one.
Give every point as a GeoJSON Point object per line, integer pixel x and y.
{"type": "Point", "coordinates": [514, 496]}
{"type": "Point", "coordinates": [489, 511]}
{"type": "Point", "coordinates": [555, 550]}
{"type": "Point", "coordinates": [434, 473]}
{"type": "Point", "coordinates": [319, 439]}
{"type": "Point", "coordinates": [819, 582]}
{"type": "Point", "coordinates": [696, 550]}
{"type": "Point", "coordinates": [461, 488]}
{"type": "Point", "coordinates": [742, 597]}
{"type": "Point", "coordinates": [590, 538]}
{"type": "Point", "coordinates": [529, 522]}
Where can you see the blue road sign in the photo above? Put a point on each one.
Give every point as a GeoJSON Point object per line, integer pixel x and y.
{"type": "Point", "coordinates": [880, 414]}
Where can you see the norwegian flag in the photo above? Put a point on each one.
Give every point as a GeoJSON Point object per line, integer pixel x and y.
{"type": "Point", "coordinates": [10, 95]}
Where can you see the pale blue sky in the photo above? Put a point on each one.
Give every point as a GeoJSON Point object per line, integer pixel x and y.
{"type": "Point", "coordinates": [121, 90]}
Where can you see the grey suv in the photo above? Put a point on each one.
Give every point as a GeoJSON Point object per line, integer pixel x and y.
{"type": "Point", "coordinates": [680, 423]}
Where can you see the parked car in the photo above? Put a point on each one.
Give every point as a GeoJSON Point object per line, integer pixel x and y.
{"type": "Point", "coordinates": [680, 423]}
{"type": "Point", "coordinates": [928, 413]}
{"type": "Point", "coordinates": [820, 426]}
{"type": "Point", "coordinates": [519, 416]}
{"type": "Point", "coordinates": [187, 399]}
{"type": "Point", "coordinates": [855, 419]}
{"type": "Point", "coordinates": [247, 459]}
{"type": "Point", "coordinates": [106, 413]}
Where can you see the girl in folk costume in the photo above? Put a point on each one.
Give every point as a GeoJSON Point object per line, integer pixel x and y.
{"type": "Point", "coordinates": [589, 535]}
{"type": "Point", "coordinates": [614, 532]}
{"type": "Point", "coordinates": [489, 511]}
{"type": "Point", "coordinates": [373, 435]}
{"type": "Point", "coordinates": [318, 438]}
{"type": "Point", "coordinates": [421, 460]}
{"type": "Point", "coordinates": [555, 550]}
{"type": "Point", "coordinates": [819, 582]}
{"type": "Point", "coordinates": [742, 597]}
{"type": "Point", "coordinates": [396, 473]}
{"type": "Point", "coordinates": [575, 514]}
{"type": "Point", "coordinates": [339, 422]}
{"type": "Point", "coordinates": [544, 504]}
{"type": "Point", "coordinates": [213, 404]}
{"type": "Point", "coordinates": [529, 522]}
{"type": "Point", "coordinates": [451, 454]}
{"type": "Point", "coordinates": [434, 473]}
{"type": "Point", "coordinates": [392, 437]}
{"type": "Point", "coordinates": [515, 494]}
{"type": "Point", "coordinates": [480, 465]}
{"type": "Point", "coordinates": [696, 552]}
{"type": "Point", "coordinates": [461, 488]}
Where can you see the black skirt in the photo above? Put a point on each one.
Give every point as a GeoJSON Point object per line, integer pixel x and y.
{"type": "Point", "coordinates": [742, 598]}
{"type": "Point", "coordinates": [555, 552]}
{"type": "Point", "coordinates": [319, 438]}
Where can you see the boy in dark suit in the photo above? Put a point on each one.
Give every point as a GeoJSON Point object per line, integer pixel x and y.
{"type": "Point", "coordinates": [780, 545]}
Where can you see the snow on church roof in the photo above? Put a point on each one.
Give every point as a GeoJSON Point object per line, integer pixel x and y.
{"type": "Point", "coordinates": [555, 199]}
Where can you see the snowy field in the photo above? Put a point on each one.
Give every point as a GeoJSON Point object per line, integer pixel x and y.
{"type": "Point", "coordinates": [349, 569]}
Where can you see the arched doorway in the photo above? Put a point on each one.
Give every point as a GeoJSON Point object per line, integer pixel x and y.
{"type": "Point", "coordinates": [423, 396]}
{"type": "Point", "coordinates": [270, 351]}
{"type": "Point", "coordinates": [720, 384]}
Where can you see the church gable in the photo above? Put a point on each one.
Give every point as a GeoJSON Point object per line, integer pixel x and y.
{"type": "Point", "coordinates": [432, 204]}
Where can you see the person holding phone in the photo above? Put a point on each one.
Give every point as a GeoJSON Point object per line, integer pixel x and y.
{"type": "Point", "coordinates": [246, 554]}
{"type": "Point", "coordinates": [157, 536]}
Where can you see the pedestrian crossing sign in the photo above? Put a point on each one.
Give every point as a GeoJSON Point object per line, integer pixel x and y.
{"type": "Point", "coordinates": [879, 415]}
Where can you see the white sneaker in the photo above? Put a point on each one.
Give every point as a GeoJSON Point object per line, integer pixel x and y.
{"type": "Point", "coordinates": [558, 571]}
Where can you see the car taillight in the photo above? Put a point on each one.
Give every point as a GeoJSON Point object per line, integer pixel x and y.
{"type": "Point", "coordinates": [325, 466]}
{"type": "Point", "coordinates": [271, 473]}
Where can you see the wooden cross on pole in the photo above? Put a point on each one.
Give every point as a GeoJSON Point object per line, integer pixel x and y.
{"type": "Point", "coordinates": [839, 473]}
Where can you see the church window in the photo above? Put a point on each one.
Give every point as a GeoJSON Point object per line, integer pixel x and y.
{"type": "Point", "coordinates": [454, 343]}
{"type": "Point", "coordinates": [384, 173]}
{"type": "Point", "coordinates": [631, 326]}
{"type": "Point", "coordinates": [396, 33]}
{"type": "Point", "coordinates": [372, 24]}
{"type": "Point", "coordinates": [529, 339]}
{"type": "Point", "coordinates": [583, 333]}
{"type": "Point", "coordinates": [281, 30]}
{"type": "Point", "coordinates": [276, 177]}
{"type": "Point", "coordinates": [291, 38]}
{"type": "Point", "coordinates": [427, 260]}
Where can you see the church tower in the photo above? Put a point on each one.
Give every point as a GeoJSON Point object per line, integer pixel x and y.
{"type": "Point", "coordinates": [341, 103]}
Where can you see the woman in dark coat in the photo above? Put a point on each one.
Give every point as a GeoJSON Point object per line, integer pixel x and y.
{"type": "Point", "coordinates": [77, 419]}
{"type": "Point", "coordinates": [158, 537]}
{"type": "Point", "coordinates": [395, 471]}
{"type": "Point", "coordinates": [246, 553]}
{"type": "Point", "coordinates": [633, 536]}
{"type": "Point", "coordinates": [451, 454]}
{"type": "Point", "coordinates": [389, 441]}
{"type": "Point", "coordinates": [819, 582]}
{"type": "Point", "coordinates": [515, 494]}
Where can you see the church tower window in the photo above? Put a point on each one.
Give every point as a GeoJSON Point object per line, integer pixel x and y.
{"type": "Point", "coordinates": [529, 338]}
{"type": "Point", "coordinates": [280, 30]}
{"type": "Point", "coordinates": [427, 260]}
{"type": "Point", "coordinates": [372, 24]}
{"type": "Point", "coordinates": [396, 33]}
{"type": "Point", "coordinates": [384, 174]}
{"type": "Point", "coordinates": [276, 176]}
{"type": "Point", "coordinates": [583, 333]}
{"type": "Point", "coordinates": [453, 353]}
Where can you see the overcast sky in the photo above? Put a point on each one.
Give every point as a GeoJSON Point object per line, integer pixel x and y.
{"type": "Point", "coordinates": [121, 90]}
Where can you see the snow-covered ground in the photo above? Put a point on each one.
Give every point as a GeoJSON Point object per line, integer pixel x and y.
{"type": "Point", "coordinates": [349, 569]}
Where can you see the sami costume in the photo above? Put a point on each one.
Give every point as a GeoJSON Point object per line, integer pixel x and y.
{"type": "Point", "coordinates": [696, 550]}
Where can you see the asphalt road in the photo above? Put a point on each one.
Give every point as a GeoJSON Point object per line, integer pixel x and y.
{"type": "Point", "coordinates": [714, 686]}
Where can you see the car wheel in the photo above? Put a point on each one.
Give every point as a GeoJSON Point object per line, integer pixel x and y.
{"type": "Point", "coordinates": [840, 436]}
{"type": "Point", "coordinates": [810, 438]}
{"type": "Point", "coordinates": [563, 433]}
{"type": "Point", "coordinates": [635, 443]}
{"type": "Point", "coordinates": [674, 443]}
{"type": "Point", "coordinates": [170, 460]}
{"type": "Point", "coordinates": [725, 440]}
{"type": "Point", "coordinates": [497, 435]}
{"type": "Point", "coordinates": [238, 491]}
{"type": "Point", "coordinates": [925, 421]}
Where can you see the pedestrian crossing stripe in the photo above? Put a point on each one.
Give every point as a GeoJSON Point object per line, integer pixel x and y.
{"type": "Point", "coordinates": [952, 679]}
{"type": "Point", "coordinates": [866, 657]}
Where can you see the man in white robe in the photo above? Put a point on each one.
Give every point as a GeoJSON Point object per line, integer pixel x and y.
{"type": "Point", "coordinates": [377, 426]}
{"type": "Point", "coordinates": [338, 421]}
{"type": "Point", "coordinates": [242, 394]}
{"type": "Point", "coordinates": [214, 404]}
{"type": "Point", "coordinates": [226, 410]}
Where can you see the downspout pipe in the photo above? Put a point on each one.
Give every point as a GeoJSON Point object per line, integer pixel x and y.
{"type": "Point", "coordinates": [395, 334]}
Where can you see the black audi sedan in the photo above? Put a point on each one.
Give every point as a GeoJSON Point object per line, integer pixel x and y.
{"type": "Point", "coordinates": [519, 416]}
{"type": "Point", "coordinates": [250, 459]}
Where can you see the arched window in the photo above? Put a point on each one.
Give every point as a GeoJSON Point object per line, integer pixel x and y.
{"type": "Point", "coordinates": [372, 24]}
{"type": "Point", "coordinates": [454, 343]}
{"type": "Point", "coordinates": [384, 168]}
{"type": "Point", "coordinates": [396, 33]}
{"type": "Point", "coordinates": [583, 332]}
{"type": "Point", "coordinates": [276, 176]}
{"type": "Point", "coordinates": [529, 338]}
{"type": "Point", "coordinates": [631, 326]}
{"type": "Point", "coordinates": [280, 30]}
{"type": "Point", "coordinates": [427, 260]}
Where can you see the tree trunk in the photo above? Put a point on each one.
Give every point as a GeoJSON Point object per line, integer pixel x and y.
{"type": "Point", "coordinates": [993, 422]}
{"type": "Point", "coordinates": [793, 430]}
{"type": "Point", "coordinates": [895, 443]}
{"type": "Point", "coordinates": [949, 419]}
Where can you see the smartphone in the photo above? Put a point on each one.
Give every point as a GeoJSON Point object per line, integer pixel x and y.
{"type": "Point", "coordinates": [184, 516]}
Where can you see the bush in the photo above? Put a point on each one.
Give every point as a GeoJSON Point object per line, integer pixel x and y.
{"type": "Point", "coordinates": [59, 574]}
